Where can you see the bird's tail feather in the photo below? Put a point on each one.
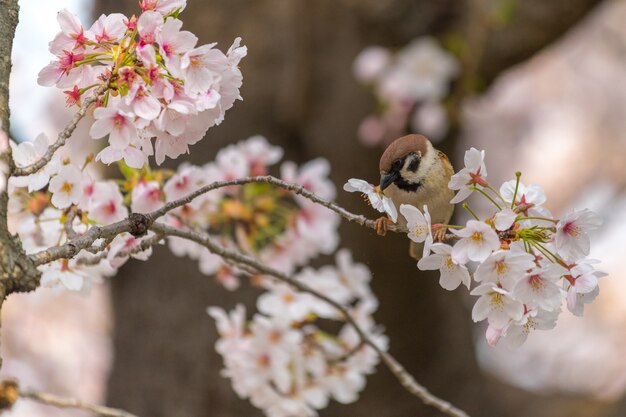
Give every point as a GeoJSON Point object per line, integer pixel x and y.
{"type": "Point", "coordinates": [416, 250]}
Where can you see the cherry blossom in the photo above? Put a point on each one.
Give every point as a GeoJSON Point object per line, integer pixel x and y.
{"type": "Point", "coordinates": [422, 72]}
{"type": "Point", "coordinates": [118, 124]}
{"type": "Point", "coordinates": [420, 229]}
{"type": "Point", "coordinates": [528, 201]}
{"type": "Point", "coordinates": [496, 305]}
{"type": "Point", "coordinates": [538, 288]}
{"type": "Point", "coordinates": [370, 64]}
{"type": "Point", "coordinates": [126, 242]}
{"type": "Point", "coordinates": [146, 197]}
{"type": "Point", "coordinates": [478, 240]}
{"type": "Point", "coordinates": [283, 362]}
{"type": "Point", "coordinates": [504, 267]}
{"type": "Point", "coordinates": [376, 198]}
{"type": "Point", "coordinates": [452, 273]}
{"type": "Point", "coordinates": [27, 153]}
{"type": "Point", "coordinates": [517, 332]}
{"type": "Point", "coordinates": [572, 233]}
{"type": "Point", "coordinates": [66, 187]}
{"type": "Point", "coordinates": [472, 175]}
{"type": "Point", "coordinates": [409, 86]}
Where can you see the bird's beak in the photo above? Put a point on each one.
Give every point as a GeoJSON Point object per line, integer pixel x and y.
{"type": "Point", "coordinates": [387, 179]}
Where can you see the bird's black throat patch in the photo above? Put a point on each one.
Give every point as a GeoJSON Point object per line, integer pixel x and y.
{"type": "Point", "coordinates": [405, 185]}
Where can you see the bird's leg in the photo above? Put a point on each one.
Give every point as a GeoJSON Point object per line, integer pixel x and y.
{"type": "Point", "coordinates": [439, 234]}
{"type": "Point", "coordinates": [381, 225]}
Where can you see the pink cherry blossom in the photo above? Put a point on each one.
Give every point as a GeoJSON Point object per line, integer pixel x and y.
{"type": "Point", "coordinates": [173, 42]}
{"type": "Point", "coordinates": [108, 28]}
{"type": "Point", "coordinates": [146, 197]}
{"type": "Point", "coordinates": [118, 124]}
{"type": "Point", "coordinates": [71, 36]}
{"type": "Point", "coordinates": [106, 205]}
{"type": "Point", "coordinates": [572, 233]}
{"type": "Point", "coordinates": [473, 174]}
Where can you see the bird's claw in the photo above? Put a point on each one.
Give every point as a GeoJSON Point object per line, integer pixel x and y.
{"type": "Point", "coordinates": [439, 234]}
{"type": "Point", "coordinates": [381, 225]}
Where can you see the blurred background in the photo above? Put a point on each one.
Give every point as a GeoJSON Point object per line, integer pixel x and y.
{"type": "Point", "coordinates": [539, 85]}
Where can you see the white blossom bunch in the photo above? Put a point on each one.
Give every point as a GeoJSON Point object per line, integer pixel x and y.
{"type": "Point", "coordinates": [260, 219]}
{"type": "Point", "coordinates": [283, 360]}
{"type": "Point", "coordinates": [280, 230]}
{"type": "Point", "coordinates": [526, 262]}
{"type": "Point", "coordinates": [157, 82]}
{"type": "Point", "coordinates": [409, 86]}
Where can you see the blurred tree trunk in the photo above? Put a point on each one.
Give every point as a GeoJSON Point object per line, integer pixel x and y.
{"type": "Point", "coordinates": [299, 92]}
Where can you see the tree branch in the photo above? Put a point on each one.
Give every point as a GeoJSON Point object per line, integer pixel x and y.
{"type": "Point", "coordinates": [10, 392]}
{"type": "Point", "coordinates": [145, 244]}
{"type": "Point", "coordinates": [406, 379]}
{"type": "Point", "coordinates": [64, 135]}
{"type": "Point", "coordinates": [70, 248]}
{"type": "Point", "coordinates": [9, 12]}
{"type": "Point", "coordinates": [62, 402]}
{"type": "Point", "coordinates": [297, 189]}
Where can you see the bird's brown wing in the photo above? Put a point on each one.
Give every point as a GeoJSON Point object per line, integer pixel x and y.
{"type": "Point", "coordinates": [446, 162]}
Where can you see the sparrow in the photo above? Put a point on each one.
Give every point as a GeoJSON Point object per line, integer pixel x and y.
{"type": "Point", "coordinates": [413, 172]}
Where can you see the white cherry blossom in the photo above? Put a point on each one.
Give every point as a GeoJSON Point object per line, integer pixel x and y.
{"type": "Point", "coordinates": [66, 187]}
{"type": "Point", "coordinates": [378, 201]}
{"type": "Point", "coordinates": [538, 288]}
{"type": "Point", "coordinates": [419, 226]}
{"type": "Point", "coordinates": [473, 174]}
{"type": "Point", "coordinates": [504, 267]}
{"type": "Point", "coordinates": [452, 273]}
{"type": "Point", "coordinates": [477, 242]}
{"type": "Point", "coordinates": [572, 233]}
{"type": "Point", "coordinates": [496, 305]}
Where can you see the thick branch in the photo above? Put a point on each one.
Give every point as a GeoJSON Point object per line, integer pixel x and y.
{"type": "Point", "coordinates": [407, 381]}
{"type": "Point", "coordinates": [64, 135]}
{"type": "Point", "coordinates": [9, 11]}
{"type": "Point", "coordinates": [71, 248]}
{"type": "Point", "coordinates": [144, 245]}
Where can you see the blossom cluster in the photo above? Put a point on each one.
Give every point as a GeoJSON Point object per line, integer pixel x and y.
{"type": "Point", "coordinates": [281, 230]}
{"type": "Point", "coordinates": [158, 82]}
{"type": "Point", "coordinates": [284, 360]}
{"type": "Point", "coordinates": [525, 262]}
{"type": "Point", "coordinates": [409, 86]}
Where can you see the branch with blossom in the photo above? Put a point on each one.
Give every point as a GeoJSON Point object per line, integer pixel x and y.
{"type": "Point", "coordinates": [351, 317]}
{"type": "Point", "coordinates": [526, 262]}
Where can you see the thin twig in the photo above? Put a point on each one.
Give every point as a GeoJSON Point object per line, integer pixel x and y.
{"type": "Point", "coordinates": [295, 188]}
{"type": "Point", "coordinates": [62, 402]}
{"type": "Point", "coordinates": [64, 135]}
{"type": "Point", "coordinates": [70, 248]}
{"type": "Point", "coordinates": [406, 379]}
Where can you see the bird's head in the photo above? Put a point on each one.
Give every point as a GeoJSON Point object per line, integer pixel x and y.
{"type": "Point", "coordinates": [405, 162]}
